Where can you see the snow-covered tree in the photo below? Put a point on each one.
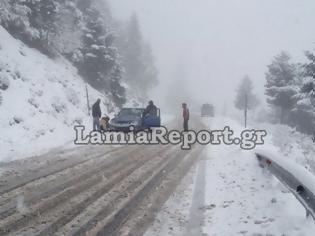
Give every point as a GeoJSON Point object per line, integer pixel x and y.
{"type": "Point", "coordinates": [137, 58]}
{"type": "Point", "coordinates": [133, 50]}
{"type": "Point", "coordinates": [70, 28]}
{"type": "Point", "coordinates": [32, 21]}
{"type": "Point", "coordinates": [14, 17]}
{"type": "Point", "coordinates": [309, 72]}
{"type": "Point", "coordinates": [5, 12]}
{"type": "Point", "coordinates": [304, 110]}
{"type": "Point", "coordinates": [245, 92]}
{"type": "Point", "coordinates": [117, 91]}
{"type": "Point", "coordinates": [83, 31]}
{"type": "Point", "coordinates": [280, 86]}
{"type": "Point", "coordinates": [98, 59]}
{"type": "Point", "coordinates": [43, 17]}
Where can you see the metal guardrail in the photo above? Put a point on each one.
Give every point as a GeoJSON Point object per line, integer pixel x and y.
{"type": "Point", "coordinates": [305, 196]}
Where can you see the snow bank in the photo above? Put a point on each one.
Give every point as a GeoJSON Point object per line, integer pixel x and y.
{"type": "Point", "coordinates": [241, 199]}
{"type": "Point", "coordinates": [43, 99]}
{"type": "Point", "coordinates": [284, 140]}
{"type": "Point", "coordinates": [289, 148]}
{"type": "Point", "coordinates": [290, 144]}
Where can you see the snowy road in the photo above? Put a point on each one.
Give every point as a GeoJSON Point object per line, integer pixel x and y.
{"type": "Point", "coordinates": [238, 198]}
{"type": "Point", "coordinates": [91, 191]}
{"type": "Point", "coordinates": [150, 190]}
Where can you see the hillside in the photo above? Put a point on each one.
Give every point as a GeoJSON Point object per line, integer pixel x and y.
{"type": "Point", "coordinates": [42, 99]}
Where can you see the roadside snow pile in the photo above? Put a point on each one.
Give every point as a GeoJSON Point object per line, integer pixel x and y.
{"type": "Point", "coordinates": [291, 149]}
{"type": "Point", "coordinates": [42, 99]}
{"type": "Point", "coordinates": [242, 199]}
{"type": "Point", "coordinates": [290, 144]}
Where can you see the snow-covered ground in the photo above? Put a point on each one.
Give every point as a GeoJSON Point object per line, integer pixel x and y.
{"type": "Point", "coordinates": [174, 215]}
{"type": "Point", "coordinates": [45, 98]}
{"type": "Point", "coordinates": [291, 144]}
{"type": "Point", "coordinates": [240, 198]}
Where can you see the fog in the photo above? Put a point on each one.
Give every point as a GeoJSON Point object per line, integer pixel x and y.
{"type": "Point", "coordinates": [203, 48]}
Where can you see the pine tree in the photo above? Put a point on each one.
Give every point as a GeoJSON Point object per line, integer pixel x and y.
{"type": "Point", "coordinates": [133, 51]}
{"type": "Point", "coordinates": [42, 16]}
{"type": "Point", "coordinates": [36, 24]}
{"type": "Point", "coordinates": [309, 71]}
{"type": "Point", "coordinates": [141, 73]}
{"type": "Point", "coordinates": [48, 17]}
{"type": "Point", "coordinates": [98, 57]}
{"type": "Point", "coordinates": [280, 87]}
{"type": "Point", "coordinates": [47, 25]}
{"type": "Point", "coordinates": [245, 91]}
{"type": "Point", "coordinates": [117, 91]}
{"type": "Point", "coordinates": [304, 111]}
{"type": "Point", "coordinates": [70, 28]}
{"type": "Point", "coordinates": [14, 17]}
{"type": "Point", "coordinates": [4, 12]}
{"type": "Point", "coordinates": [99, 62]}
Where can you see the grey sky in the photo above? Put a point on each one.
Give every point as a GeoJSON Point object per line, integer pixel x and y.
{"type": "Point", "coordinates": [214, 43]}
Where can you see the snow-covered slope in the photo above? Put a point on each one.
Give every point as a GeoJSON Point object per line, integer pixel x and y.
{"type": "Point", "coordinates": [42, 99]}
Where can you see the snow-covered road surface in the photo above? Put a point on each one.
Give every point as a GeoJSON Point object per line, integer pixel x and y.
{"type": "Point", "coordinates": [151, 190]}
{"type": "Point", "coordinates": [92, 191]}
{"type": "Point", "coordinates": [240, 198]}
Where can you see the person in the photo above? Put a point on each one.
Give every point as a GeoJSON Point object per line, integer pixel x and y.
{"type": "Point", "coordinates": [104, 123]}
{"type": "Point", "coordinates": [96, 113]}
{"type": "Point", "coordinates": [151, 109]}
{"type": "Point", "coordinates": [185, 116]}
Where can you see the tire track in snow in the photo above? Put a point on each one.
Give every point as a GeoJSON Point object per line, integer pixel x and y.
{"type": "Point", "coordinates": [196, 217]}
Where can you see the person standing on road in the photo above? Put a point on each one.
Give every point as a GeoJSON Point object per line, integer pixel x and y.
{"type": "Point", "coordinates": [185, 116]}
{"type": "Point", "coordinates": [151, 109]}
{"type": "Point", "coordinates": [97, 114]}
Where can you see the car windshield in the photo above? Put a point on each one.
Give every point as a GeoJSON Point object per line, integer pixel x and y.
{"type": "Point", "coordinates": [131, 112]}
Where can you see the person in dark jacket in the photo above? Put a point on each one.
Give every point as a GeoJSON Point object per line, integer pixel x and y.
{"type": "Point", "coordinates": [97, 114]}
{"type": "Point", "coordinates": [185, 116]}
{"type": "Point", "coordinates": [151, 109]}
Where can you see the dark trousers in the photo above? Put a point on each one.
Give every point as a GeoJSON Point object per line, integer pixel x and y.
{"type": "Point", "coordinates": [96, 123]}
{"type": "Point", "coordinates": [185, 125]}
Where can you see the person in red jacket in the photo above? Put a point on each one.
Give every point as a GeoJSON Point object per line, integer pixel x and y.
{"type": "Point", "coordinates": [185, 116]}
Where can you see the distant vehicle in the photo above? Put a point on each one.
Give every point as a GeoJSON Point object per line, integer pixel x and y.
{"type": "Point", "coordinates": [132, 118]}
{"type": "Point", "coordinates": [207, 110]}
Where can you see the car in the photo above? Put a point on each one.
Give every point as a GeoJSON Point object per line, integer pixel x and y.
{"type": "Point", "coordinates": [132, 119]}
{"type": "Point", "coordinates": [207, 110]}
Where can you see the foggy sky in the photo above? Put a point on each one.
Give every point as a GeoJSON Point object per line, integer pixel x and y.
{"type": "Point", "coordinates": [212, 44]}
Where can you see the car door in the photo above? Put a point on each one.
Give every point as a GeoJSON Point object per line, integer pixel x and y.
{"type": "Point", "coordinates": [153, 121]}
